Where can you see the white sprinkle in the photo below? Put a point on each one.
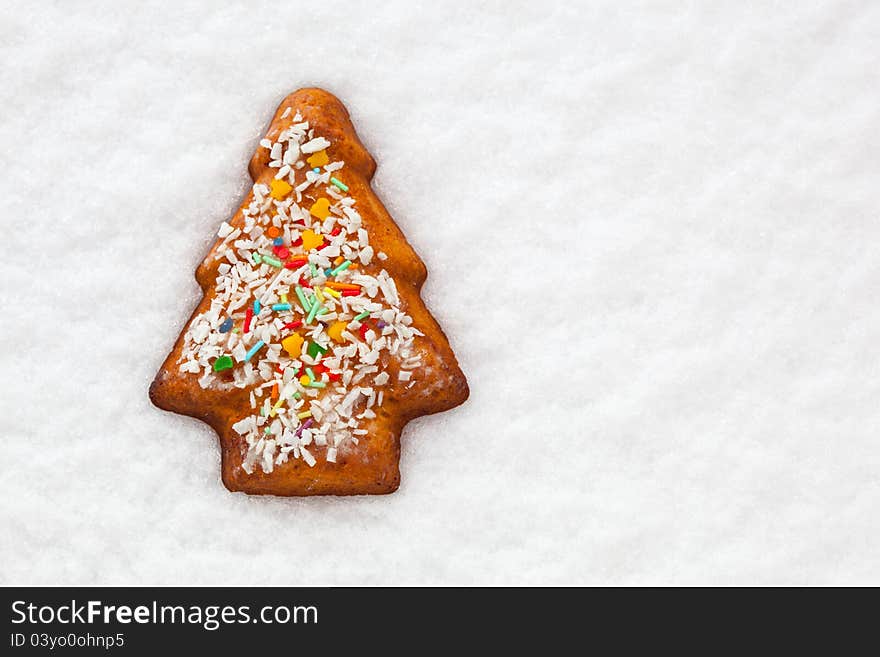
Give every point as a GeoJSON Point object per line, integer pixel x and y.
{"type": "Point", "coordinates": [315, 145]}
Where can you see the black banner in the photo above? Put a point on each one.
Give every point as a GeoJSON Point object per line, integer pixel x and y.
{"type": "Point", "coordinates": [249, 620]}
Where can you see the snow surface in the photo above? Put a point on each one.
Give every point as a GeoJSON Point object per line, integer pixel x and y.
{"type": "Point", "coordinates": [652, 235]}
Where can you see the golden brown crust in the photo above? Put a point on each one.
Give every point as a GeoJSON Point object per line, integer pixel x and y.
{"type": "Point", "coordinates": [372, 466]}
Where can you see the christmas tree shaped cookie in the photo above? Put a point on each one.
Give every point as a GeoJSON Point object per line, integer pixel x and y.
{"type": "Point", "coordinates": [311, 347]}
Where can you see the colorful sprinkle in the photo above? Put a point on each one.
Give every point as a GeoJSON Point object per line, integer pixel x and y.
{"type": "Point", "coordinates": [317, 384]}
{"type": "Point", "coordinates": [309, 370]}
{"type": "Point", "coordinates": [363, 315]}
{"type": "Point", "coordinates": [342, 286]}
{"type": "Point", "coordinates": [253, 350]}
{"type": "Point", "coordinates": [311, 239]}
{"type": "Point", "coordinates": [319, 159]}
{"type": "Point", "coordinates": [320, 208]}
{"type": "Point", "coordinates": [278, 189]}
{"type": "Point", "coordinates": [341, 185]}
{"type": "Point", "coordinates": [257, 258]}
{"type": "Point", "coordinates": [226, 326]}
{"type": "Point", "coordinates": [293, 325]}
{"type": "Point", "coordinates": [292, 344]}
{"type": "Point", "coordinates": [341, 268]}
{"type": "Point", "coordinates": [313, 311]}
{"type": "Point", "coordinates": [334, 331]}
{"type": "Point", "coordinates": [269, 260]}
{"type": "Point", "coordinates": [278, 307]}
{"type": "Point", "coordinates": [248, 316]}
{"type": "Point", "coordinates": [302, 298]}
{"type": "Point", "coordinates": [222, 363]}
{"type": "Point", "coordinates": [304, 415]}
{"type": "Point", "coordinates": [314, 349]}
{"type": "Point", "coordinates": [257, 306]}
{"type": "Point", "coordinates": [295, 263]}
{"type": "Point", "coordinates": [304, 380]}
{"type": "Point", "coordinates": [278, 241]}
{"type": "Point", "coordinates": [276, 407]}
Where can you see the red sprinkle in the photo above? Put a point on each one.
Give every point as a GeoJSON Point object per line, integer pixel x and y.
{"type": "Point", "coordinates": [281, 251]}
{"type": "Point", "coordinates": [293, 325]}
{"type": "Point", "coordinates": [350, 293]}
{"type": "Point", "coordinates": [336, 231]}
{"type": "Point", "coordinates": [363, 331]}
{"type": "Point", "coordinates": [248, 316]}
{"type": "Point", "coordinates": [296, 263]}
{"type": "Point", "coordinates": [297, 242]}
{"type": "Point", "coordinates": [319, 368]}
{"type": "Point", "coordinates": [333, 377]}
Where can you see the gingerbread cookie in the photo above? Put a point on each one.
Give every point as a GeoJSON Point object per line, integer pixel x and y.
{"type": "Point", "coordinates": [311, 347]}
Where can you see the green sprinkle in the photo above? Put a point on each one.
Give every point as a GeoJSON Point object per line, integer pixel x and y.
{"type": "Point", "coordinates": [345, 265]}
{"type": "Point", "coordinates": [267, 430]}
{"type": "Point", "coordinates": [313, 311]}
{"type": "Point", "coordinates": [341, 185]}
{"type": "Point", "coordinates": [363, 315]}
{"type": "Point", "coordinates": [302, 298]}
{"type": "Point", "coordinates": [314, 349]}
{"type": "Point", "coordinates": [222, 363]}
{"type": "Point", "coordinates": [236, 330]}
{"type": "Point", "coordinates": [296, 395]}
{"type": "Point", "coordinates": [313, 269]}
{"type": "Point", "coordinates": [322, 310]}
{"type": "Point", "coordinates": [311, 373]}
{"type": "Point", "coordinates": [269, 260]}
{"type": "Point", "coordinates": [257, 258]}
{"type": "Point", "coordinates": [316, 384]}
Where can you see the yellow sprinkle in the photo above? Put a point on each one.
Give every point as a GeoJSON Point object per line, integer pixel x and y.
{"type": "Point", "coordinates": [319, 159]}
{"type": "Point", "coordinates": [278, 189]}
{"type": "Point", "coordinates": [304, 415]}
{"type": "Point", "coordinates": [310, 239]}
{"type": "Point", "coordinates": [335, 331]}
{"type": "Point", "coordinates": [305, 380]}
{"type": "Point", "coordinates": [320, 208]}
{"type": "Point", "coordinates": [283, 298]}
{"type": "Point", "coordinates": [276, 407]}
{"type": "Point", "coordinates": [332, 292]}
{"type": "Point", "coordinates": [319, 294]}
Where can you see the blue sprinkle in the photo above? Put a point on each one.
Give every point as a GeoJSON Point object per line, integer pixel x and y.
{"type": "Point", "coordinates": [278, 241]}
{"type": "Point", "coordinates": [316, 170]}
{"type": "Point", "coordinates": [254, 350]}
{"type": "Point", "coordinates": [226, 326]}
{"type": "Point", "coordinates": [257, 306]}
{"type": "Point", "coordinates": [328, 272]}
{"type": "Point", "coordinates": [281, 306]}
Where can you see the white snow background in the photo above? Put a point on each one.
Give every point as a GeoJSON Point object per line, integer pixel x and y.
{"type": "Point", "coordinates": [652, 237]}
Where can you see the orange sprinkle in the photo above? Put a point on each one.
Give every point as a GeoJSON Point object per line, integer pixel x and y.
{"type": "Point", "coordinates": [273, 231]}
{"type": "Point", "coordinates": [338, 261]}
{"type": "Point", "coordinates": [275, 391]}
{"type": "Point", "coordinates": [333, 285]}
